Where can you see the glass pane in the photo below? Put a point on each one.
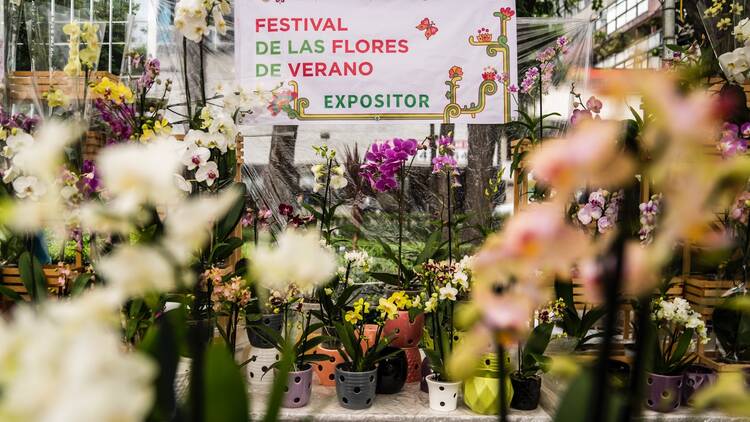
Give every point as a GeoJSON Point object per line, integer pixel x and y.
{"type": "Point", "coordinates": [118, 32]}
{"type": "Point", "coordinates": [82, 10]}
{"type": "Point", "coordinates": [101, 10]}
{"type": "Point", "coordinates": [642, 7]}
{"type": "Point", "coordinates": [104, 58]}
{"type": "Point", "coordinates": [120, 10]}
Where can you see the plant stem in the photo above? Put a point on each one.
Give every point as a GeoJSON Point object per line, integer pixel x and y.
{"type": "Point", "coordinates": [187, 82]}
{"type": "Point", "coordinates": [401, 223]}
{"type": "Point", "coordinates": [450, 219]}
{"type": "Point", "coordinates": [638, 377]}
{"type": "Point", "coordinates": [541, 101]}
{"type": "Point", "coordinates": [745, 253]}
{"type": "Point", "coordinates": [324, 208]}
{"type": "Point", "coordinates": [203, 74]}
{"type": "Point", "coordinates": [503, 416]}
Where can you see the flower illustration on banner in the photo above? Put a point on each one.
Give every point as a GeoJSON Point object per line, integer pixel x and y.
{"type": "Point", "coordinates": [455, 71]}
{"type": "Point", "coordinates": [280, 101]}
{"type": "Point", "coordinates": [507, 12]}
{"type": "Point", "coordinates": [428, 27]}
{"type": "Point", "coordinates": [484, 35]}
{"type": "Point", "coordinates": [489, 73]}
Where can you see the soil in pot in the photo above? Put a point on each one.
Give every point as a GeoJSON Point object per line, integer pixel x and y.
{"type": "Point", "coordinates": [355, 390]}
{"type": "Point", "coordinates": [392, 372]}
{"type": "Point", "coordinates": [256, 337]}
{"type": "Point", "coordinates": [526, 392]}
{"type": "Point", "coordinates": [298, 388]}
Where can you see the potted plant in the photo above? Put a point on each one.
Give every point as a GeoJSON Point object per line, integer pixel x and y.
{"type": "Point", "coordinates": [406, 329]}
{"type": "Point", "coordinates": [267, 315]}
{"type": "Point", "coordinates": [576, 325]}
{"type": "Point", "coordinates": [230, 295]}
{"type": "Point", "coordinates": [526, 381]}
{"type": "Point", "coordinates": [443, 288]}
{"type": "Point", "coordinates": [482, 391]}
{"type": "Point", "coordinates": [676, 326]}
{"type": "Point", "coordinates": [299, 378]}
{"type": "Point", "coordinates": [356, 377]}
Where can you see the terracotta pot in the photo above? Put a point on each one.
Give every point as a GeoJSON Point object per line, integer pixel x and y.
{"type": "Point", "coordinates": [695, 378]}
{"type": "Point", "coordinates": [482, 394]}
{"type": "Point", "coordinates": [371, 330]}
{"type": "Point", "coordinates": [298, 388]}
{"type": "Point", "coordinates": [326, 370]}
{"type": "Point", "coordinates": [331, 332]}
{"type": "Point", "coordinates": [443, 395]}
{"type": "Point", "coordinates": [404, 333]}
{"type": "Point", "coordinates": [355, 390]}
{"type": "Point", "coordinates": [526, 392]}
{"type": "Point", "coordinates": [392, 372]}
{"type": "Point", "coordinates": [663, 392]}
{"type": "Point", "coordinates": [413, 364]}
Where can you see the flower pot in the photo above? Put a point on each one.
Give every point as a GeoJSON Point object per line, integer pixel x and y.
{"type": "Point", "coordinates": [326, 370]}
{"type": "Point", "coordinates": [526, 392]}
{"type": "Point", "coordinates": [392, 372]}
{"type": "Point", "coordinates": [368, 340]}
{"type": "Point", "coordinates": [695, 378]}
{"type": "Point", "coordinates": [663, 392]}
{"type": "Point", "coordinates": [489, 363]}
{"type": "Point", "coordinates": [256, 337]}
{"type": "Point", "coordinates": [426, 370]}
{"type": "Point", "coordinates": [482, 393]}
{"type": "Point", "coordinates": [370, 291]}
{"type": "Point", "coordinates": [413, 364]}
{"type": "Point", "coordinates": [619, 372]}
{"type": "Point", "coordinates": [355, 390]}
{"type": "Point", "coordinates": [443, 395]}
{"type": "Point", "coordinates": [261, 360]}
{"type": "Point", "coordinates": [403, 332]}
{"type": "Point", "coordinates": [298, 388]}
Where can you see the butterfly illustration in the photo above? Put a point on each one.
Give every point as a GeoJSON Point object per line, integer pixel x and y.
{"type": "Point", "coordinates": [428, 27]}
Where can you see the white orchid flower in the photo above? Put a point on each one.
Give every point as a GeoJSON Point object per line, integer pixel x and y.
{"type": "Point", "coordinates": [28, 187]}
{"type": "Point", "coordinates": [195, 156]}
{"type": "Point", "coordinates": [208, 173]}
{"type": "Point", "coordinates": [448, 292]}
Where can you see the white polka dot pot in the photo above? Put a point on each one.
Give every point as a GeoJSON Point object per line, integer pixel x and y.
{"type": "Point", "coordinates": [258, 369]}
{"type": "Point", "coordinates": [443, 395]}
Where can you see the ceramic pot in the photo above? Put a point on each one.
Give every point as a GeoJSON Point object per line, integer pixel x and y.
{"type": "Point", "coordinates": [443, 395]}
{"type": "Point", "coordinates": [404, 333]}
{"type": "Point", "coordinates": [370, 331]}
{"type": "Point", "coordinates": [695, 378]}
{"type": "Point", "coordinates": [326, 369]}
{"type": "Point", "coordinates": [426, 370]}
{"type": "Point", "coordinates": [258, 369]}
{"type": "Point", "coordinates": [482, 393]}
{"type": "Point", "coordinates": [663, 392]}
{"type": "Point", "coordinates": [526, 392]}
{"type": "Point", "coordinates": [272, 321]}
{"type": "Point", "coordinates": [413, 364]}
{"type": "Point", "coordinates": [355, 390]}
{"type": "Point", "coordinates": [392, 372]}
{"type": "Point", "coordinates": [298, 388]}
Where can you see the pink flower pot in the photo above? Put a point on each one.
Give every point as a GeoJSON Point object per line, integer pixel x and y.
{"type": "Point", "coordinates": [405, 333]}
{"type": "Point", "coordinates": [413, 364]}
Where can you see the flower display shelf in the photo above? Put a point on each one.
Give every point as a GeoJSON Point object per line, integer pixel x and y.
{"type": "Point", "coordinates": [704, 294]}
{"type": "Point", "coordinates": [712, 360]}
{"type": "Point", "coordinates": [22, 83]}
{"type": "Point", "coordinates": [11, 278]}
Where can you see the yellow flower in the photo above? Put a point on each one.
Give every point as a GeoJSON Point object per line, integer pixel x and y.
{"type": "Point", "coordinates": [353, 317]}
{"type": "Point", "coordinates": [73, 68]}
{"type": "Point", "coordinates": [147, 134]}
{"type": "Point", "coordinates": [206, 118]}
{"type": "Point", "coordinates": [114, 91]}
{"type": "Point", "coordinates": [388, 309]}
{"type": "Point", "coordinates": [72, 30]}
{"type": "Point", "coordinates": [361, 306]}
{"type": "Point", "coordinates": [56, 98]}
{"type": "Point", "coordinates": [723, 24]}
{"type": "Point", "coordinates": [162, 127]}
{"type": "Point", "coordinates": [401, 300]}
{"type": "Point", "coordinates": [91, 34]}
{"type": "Point", "coordinates": [89, 56]}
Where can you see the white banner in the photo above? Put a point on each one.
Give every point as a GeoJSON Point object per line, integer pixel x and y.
{"type": "Point", "coordinates": [437, 61]}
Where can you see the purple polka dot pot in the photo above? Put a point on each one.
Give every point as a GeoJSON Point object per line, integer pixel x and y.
{"type": "Point", "coordinates": [663, 392]}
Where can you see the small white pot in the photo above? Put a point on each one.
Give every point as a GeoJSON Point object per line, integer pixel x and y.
{"type": "Point", "coordinates": [443, 395]}
{"type": "Point", "coordinates": [257, 369]}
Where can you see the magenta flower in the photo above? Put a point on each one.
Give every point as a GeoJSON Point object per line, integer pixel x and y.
{"type": "Point", "coordinates": [579, 115]}
{"type": "Point", "coordinates": [443, 163]}
{"type": "Point", "coordinates": [745, 130]}
{"type": "Point", "coordinates": [594, 105]}
{"type": "Point", "coordinates": [730, 143]}
{"type": "Point", "coordinates": [384, 160]}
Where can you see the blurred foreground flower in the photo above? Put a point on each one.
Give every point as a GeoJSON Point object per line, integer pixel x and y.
{"type": "Point", "coordinates": [298, 257]}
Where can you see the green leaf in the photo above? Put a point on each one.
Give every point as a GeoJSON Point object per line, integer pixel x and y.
{"type": "Point", "coordinates": [279, 384]}
{"type": "Point", "coordinates": [226, 394]}
{"type": "Point", "coordinates": [228, 223]}
{"type": "Point", "coordinates": [32, 276]}
{"type": "Point", "coordinates": [11, 294]}
{"type": "Point", "coordinates": [81, 283]}
{"type": "Point", "coordinates": [576, 403]}
{"type": "Point", "coordinates": [430, 247]}
{"type": "Point", "coordinates": [682, 346]}
{"type": "Point", "coordinates": [223, 250]}
{"type": "Point", "coordinates": [161, 343]}
{"type": "Point", "coordinates": [387, 278]}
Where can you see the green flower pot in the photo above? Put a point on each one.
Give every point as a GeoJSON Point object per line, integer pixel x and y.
{"type": "Point", "coordinates": [482, 394]}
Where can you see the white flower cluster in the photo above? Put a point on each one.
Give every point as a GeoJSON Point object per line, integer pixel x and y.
{"type": "Point", "coordinates": [65, 361]}
{"type": "Point", "coordinates": [194, 18]}
{"type": "Point", "coordinates": [462, 275]}
{"type": "Point", "coordinates": [25, 186]}
{"type": "Point", "coordinates": [736, 64]}
{"type": "Point", "coordinates": [678, 313]}
{"type": "Point", "coordinates": [338, 180]}
{"type": "Point", "coordinates": [359, 259]}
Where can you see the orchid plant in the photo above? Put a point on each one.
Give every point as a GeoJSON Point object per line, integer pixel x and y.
{"type": "Point", "coordinates": [329, 177]}
{"type": "Point", "coordinates": [445, 164]}
{"type": "Point", "coordinates": [677, 326]}
{"type": "Point", "coordinates": [352, 331]}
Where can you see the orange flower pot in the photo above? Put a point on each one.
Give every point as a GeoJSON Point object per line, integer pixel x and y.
{"type": "Point", "coordinates": [326, 370]}
{"type": "Point", "coordinates": [371, 330]}
{"type": "Point", "coordinates": [405, 333]}
{"type": "Point", "coordinates": [413, 364]}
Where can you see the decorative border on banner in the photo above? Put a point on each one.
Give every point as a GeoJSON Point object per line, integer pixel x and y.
{"type": "Point", "coordinates": [452, 110]}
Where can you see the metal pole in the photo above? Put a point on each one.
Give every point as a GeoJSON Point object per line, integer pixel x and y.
{"type": "Point", "coordinates": [669, 16]}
